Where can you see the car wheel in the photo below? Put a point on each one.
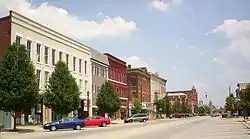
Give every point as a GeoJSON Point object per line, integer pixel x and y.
{"type": "Point", "coordinates": [144, 120]}
{"type": "Point", "coordinates": [53, 128]}
{"type": "Point", "coordinates": [103, 124]}
{"type": "Point", "coordinates": [130, 121]}
{"type": "Point", "coordinates": [78, 127]}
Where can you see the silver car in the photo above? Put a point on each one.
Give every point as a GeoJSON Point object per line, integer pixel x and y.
{"type": "Point", "coordinates": [140, 117]}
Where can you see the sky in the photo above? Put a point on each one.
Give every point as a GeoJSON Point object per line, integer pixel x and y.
{"type": "Point", "coordinates": [205, 43]}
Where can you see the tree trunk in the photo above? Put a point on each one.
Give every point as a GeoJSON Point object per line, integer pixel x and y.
{"type": "Point", "coordinates": [13, 114]}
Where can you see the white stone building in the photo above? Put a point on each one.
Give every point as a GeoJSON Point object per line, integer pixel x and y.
{"type": "Point", "coordinates": [45, 47]}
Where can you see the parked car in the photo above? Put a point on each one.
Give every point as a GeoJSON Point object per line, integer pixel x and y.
{"type": "Point", "coordinates": [140, 117]}
{"type": "Point", "coordinates": [97, 121]}
{"type": "Point", "coordinates": [65, 123]}
{"type": "Point", "coordinates": [179, 115]}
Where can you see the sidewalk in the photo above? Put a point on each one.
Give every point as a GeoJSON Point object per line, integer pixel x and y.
{"type": "Point", "coordinates": [246, 123]}
{"type": "Point", "coordinates": [23, 129]}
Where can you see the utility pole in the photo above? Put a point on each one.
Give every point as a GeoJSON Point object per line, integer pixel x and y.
{"type": "Point", "coordinates": [229, 90]}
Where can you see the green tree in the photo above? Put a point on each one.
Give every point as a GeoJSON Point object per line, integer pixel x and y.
{"type": "Point", "coordinates": [200, 110]}
{"type": "Point", "coordinates": [62, 95]}
{"type": "Point", "coordinates": [207, 109]}
{"type": "Point", "coordinates": [107, 100]}
{"type": "Point", "coordinates": [230, 103]}
{"type": "Point", "coordinates": [163, 105]}
{"type": "Point", "coordinates": [177, 107]}
{"type": "Point", "coordinates": [18, 84]}
{"type": "Point", "coordinates": [137, 105]}
{"type": "Point", "coordinates": [245, 98]}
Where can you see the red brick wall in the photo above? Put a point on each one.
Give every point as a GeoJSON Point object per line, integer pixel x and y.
{"type": "Point", "coordinates": [118, 72]}
{"type": "Point", "coordinates": [5, 34]}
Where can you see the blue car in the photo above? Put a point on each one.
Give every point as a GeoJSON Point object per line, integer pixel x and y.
{"type": "Point", "coordinates": [65, 123]}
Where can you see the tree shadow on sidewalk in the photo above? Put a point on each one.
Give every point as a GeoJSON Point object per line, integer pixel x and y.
{"type": "Point", "coordinates": [20, 131]}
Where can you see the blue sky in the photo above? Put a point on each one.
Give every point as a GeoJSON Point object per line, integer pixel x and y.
{"type": "Point", "coordinates": [205, 43]}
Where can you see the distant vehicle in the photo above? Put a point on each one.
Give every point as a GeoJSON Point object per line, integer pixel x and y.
{"type": "Point", "coordinates": [180, 115]}
{"type": "Point", "coordinates": [97, 121]}
{"type": "Point", "coordinates": [65, 123]}
{"type": "Point", "coordinates": [224, 115]}
{"type": "Point", "coordinates": [140, 117]}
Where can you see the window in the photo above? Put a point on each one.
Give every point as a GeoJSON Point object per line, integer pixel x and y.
{"type": "Point", "coordinates": [38, 75]}
{"type": "Point", "coordinates": [80, 65]}
{"type": "Point", "coordinates": [38, 52]}
{"type": "Point", "coordinates": [74, 63]}
{"type": "Point", "coordinates": [80, 84]}
{"type": "Point", "coordinates": [97, 71]}
{"type": "Point", "coordinates": [60, 56]}
{"type": "Point", "coordinates": [85, 67]}
{"type": "Point", "coordinates": [46, 55]}
{"type": "Point", "coordinates": [93, 88]}
{"type": "Point", "coordinates": [67, 59]}
{"type": "Point", "coordinates": [53, 57]}
{"type": "Point", "coordinates": [86, 84]}
{"type": "Point", "coordinates": [18, 40]}
{"type": "Point", "coordinates": [29, 48]}
{"type": "Point", "coordinates": [46, 79]}
{"type": "Point", "coordinates": [93, 69]}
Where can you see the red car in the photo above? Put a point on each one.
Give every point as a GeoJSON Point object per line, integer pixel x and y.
{"type": "Point", "coordinates": [97, 121]}
{"type": "Point", "coordinates": [180, 115]}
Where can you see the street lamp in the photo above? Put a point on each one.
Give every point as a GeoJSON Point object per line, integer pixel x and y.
{"type": "Point", "coordinates": [88, 101]}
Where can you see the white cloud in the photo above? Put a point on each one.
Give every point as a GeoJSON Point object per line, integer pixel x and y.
{"type": "Point", "coordinates": [238, 34]}
{"type": "Point", "coordinates": [192, 47]}
{"type": "Point", "coordinates": [203, 52]}
{"type": "Point", "coordinates": [173, 68]}
{"type": "Point", "coordinates": [60, 19]}
{"type": "Point", "coordinates": [177, 46]}
{"type": "Point", "coordinates": [163, 5]}
{"type": "Point", "coordinates": [137, 62]}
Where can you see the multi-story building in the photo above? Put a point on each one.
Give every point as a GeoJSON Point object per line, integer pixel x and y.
{"type": "Point", "coordinates": [191, 99]}
{"type": "Point", "coordinates": [158, 89]}
{"type": "Point", "coordinates": [240, 87]}
{"type": "Point", "coordinates": [139, 86]}
{"type": "Point", "coordinates": [117, 76]}
{"type": "Point", "coordinates": [45, 47]}
{"type": "Point", "coordinates": [179, 97]}
{"type": "Point", "coordinates": [99, 63]}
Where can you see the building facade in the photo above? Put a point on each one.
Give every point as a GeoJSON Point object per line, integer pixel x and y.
{"type": "Point", "coordinates": [139, 86]}
{"type": "Point", "coordinates": [45, 47]}
{"type": "Point", "coordinates": [191, 97]}
{"type": "Point", "coordinates": [177, 97]}
{"type": "Point", "coordinates": [117, 76]}
{"type": "Point", "coordinates": [158, 90]}
{"type": "Point", "coordinates": [99, 64]}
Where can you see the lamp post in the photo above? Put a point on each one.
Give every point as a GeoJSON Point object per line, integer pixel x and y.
{"type": "Point", "coordinates": [88, 102]}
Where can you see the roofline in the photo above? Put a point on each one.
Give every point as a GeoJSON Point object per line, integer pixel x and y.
{"type": "Point", "coordinates": [115, 58]}
{"type": "Point", "coordinates": [152, 74]}
{"type": "Point", "coordinates": [60, 34]}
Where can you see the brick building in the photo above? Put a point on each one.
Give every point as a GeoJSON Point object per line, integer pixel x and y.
{"type": "Point", "coordinates": [190, 97]}
{"type": "Point", "coordinates": [117, 76]}
{"type": "Point", "coordinates": [139, 86]}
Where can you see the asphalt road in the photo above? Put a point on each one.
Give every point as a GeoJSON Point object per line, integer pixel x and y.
{"type": "Point", "coordinates": [191, 128]}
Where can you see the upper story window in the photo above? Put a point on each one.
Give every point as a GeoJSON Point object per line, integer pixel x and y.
{"type": "Point", "coordinates": [67, 59]}
{"type": "Point", "coordinates": [53, 57]}
{"type": "Point", "coordinates": [93, 69]}
{"type": "Point", "coordinates": [46, 79]}
{"type": "Point", "coordinates": [29, 48]}
{"type": "Point", "coordinates": [60, 55]}
{"type": "Point", "coordinates": [38, 75]}
{"type": "Point", "coordinates": [80, 65]}
{"type": "Point", "coordinates": [38, 52]}
{"type": "Point", "coordinates": [85, 67]}
{"type": "Point", "coordinates": [102, 72]}
{"type": "Point", "coordinates": [46, 55]}
{"type": "Point", "coordinates": [80, 84]}
{"type": "Point", "coordinates": [98, 71]}
{"type": "Point", "coordinates": [18, 40]}
{"type": "Point", "coordinates": [74, 63]}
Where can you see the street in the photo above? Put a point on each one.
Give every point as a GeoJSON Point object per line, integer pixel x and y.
{"type": "Point", "coordinates": [190, 128]}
